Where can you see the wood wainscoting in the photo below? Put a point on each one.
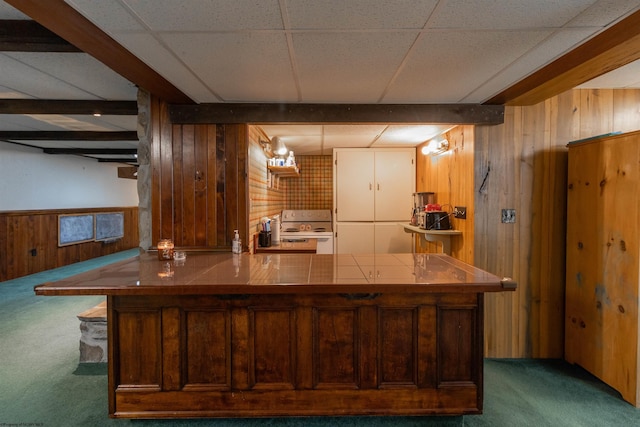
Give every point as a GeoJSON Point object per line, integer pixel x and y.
{"type": "Point", "coordinates": [29, 240]}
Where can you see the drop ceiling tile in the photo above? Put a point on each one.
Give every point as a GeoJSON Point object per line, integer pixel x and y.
{"type": "Point", "coordinates": [605, 12]}
{"type": "Point", "coordinates": [110, 15]}
{"type": "Point", "coordinates": [9, 12]}
{"type": "Point", "coordinates": [626, 77]}
{"type": "Point", "coordinates": [82, 71]}
{"type": "Point", "coordinates": [292, 130]}
{"type": "Point", "coordinates": [410, 134]}
{"type": "Point", "coordinates": [34, 83]}
{"type": "Point", "coordinates": [537, 57]}
{"type": "Point", "coordinates": [206, 15]}
{"type": "Point", "coordinates": [239, 66]}
{"type": "Point", "coordinates": [348, 67]}
{"type": "Point", "coordinates": [149, 50]}
{"type": "Point", "coordinates": [23, 123]}
{"type": "Point", "coordinates": [506, 14]}
{"type": "Point", "coordinates": [370, 131]}
{"type": "Point", "coordinates": [358, 14]}
{"type": "Point", "coordinates": [432, 74]}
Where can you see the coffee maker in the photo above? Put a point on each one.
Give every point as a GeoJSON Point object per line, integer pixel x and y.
{"type": "Point", "coordinates": [420, 202]}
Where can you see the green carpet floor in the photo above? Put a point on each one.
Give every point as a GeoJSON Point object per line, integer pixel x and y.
{"type": "Point", "coordinates": [42, 383]}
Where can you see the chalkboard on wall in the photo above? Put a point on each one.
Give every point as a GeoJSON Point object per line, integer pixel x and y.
{"type": "Point", "coordinates": [109, 226]}
{"type": "Point", "coordinates": [74, 229]}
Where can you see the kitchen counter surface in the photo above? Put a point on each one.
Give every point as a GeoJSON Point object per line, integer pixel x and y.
{"type": "Point", "coordinates": [205, 273]}
{"type": "Point", "coordinates": [270, 335]}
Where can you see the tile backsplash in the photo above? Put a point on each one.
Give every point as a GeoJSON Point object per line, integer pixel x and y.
{"type": "Point", "coordinates": [314, 188]}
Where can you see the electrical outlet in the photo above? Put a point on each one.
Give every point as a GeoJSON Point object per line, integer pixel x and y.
{"type": "Point", "coordinates": [508, 216]}
{"type": "Point", "coordinates": [460, 212]}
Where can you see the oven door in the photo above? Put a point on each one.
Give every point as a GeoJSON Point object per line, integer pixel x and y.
{"type": "Point", "coordinates": [325, 239]}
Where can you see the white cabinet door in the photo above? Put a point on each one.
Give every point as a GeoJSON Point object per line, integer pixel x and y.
{"type": "Point", "coordinates": [354, 238]}
{"type": "Point", "coordinates": [390, 238]}
{"type": "Point", "coordinates": [395, 183]}
{"type": "Point", "coordinates": [354, 185]}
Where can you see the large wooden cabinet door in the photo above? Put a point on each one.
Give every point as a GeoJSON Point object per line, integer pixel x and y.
{"type": "Point", "coordinates": [395, 181]}
{"type": "Point", "coordinates": [602, 285]}
{"type": "Point", "coordinates": [355, 185]}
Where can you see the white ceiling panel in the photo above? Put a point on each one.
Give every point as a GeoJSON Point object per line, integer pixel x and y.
{"type": "Point", "coordinates": [309, 51]}
{"type": "Point", "coordinates": [255, 68]}
{"type": "Point", "coordinates": [506, 14]}
{"type": "Point", "coordinates": [81, 71]}
{"type": "Point", "coordinates": [348, 67]}
{"type": "Point", "coordinates": [358, 14]}
{"type": "Point", "coordinates": [543, 53]}
{"type": "Point", "coordinates": [432, 74]}
{"type": "Point", "coordinates": [623, 78]}
{"type": "Point", "coordinates": [36, 83]}
{"type": "Point", "coordinates": [205, 15]}
{"type": "Point", "coordinates": [604, 12]}
{"type": "Point", "coordinates": [108, 14]}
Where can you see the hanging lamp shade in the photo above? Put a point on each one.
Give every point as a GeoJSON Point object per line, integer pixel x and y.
{"type": "Point", "coordinates": [278, 146]}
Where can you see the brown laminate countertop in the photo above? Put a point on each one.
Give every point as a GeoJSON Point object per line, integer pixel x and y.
{"type": "Point", "coordinates": [213, 273]}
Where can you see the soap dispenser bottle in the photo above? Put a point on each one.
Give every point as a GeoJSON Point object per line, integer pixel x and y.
{"type": "Point", "coordinates": [236, 244]}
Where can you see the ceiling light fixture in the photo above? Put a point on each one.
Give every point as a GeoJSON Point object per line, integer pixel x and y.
{"type": "Point", "coordinates": [278, 146]}
{"type": "Point", "coordinates": [435, 147]}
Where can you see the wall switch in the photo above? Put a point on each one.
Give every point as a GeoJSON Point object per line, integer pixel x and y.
{"type": "Point", "coordinates": [508, 216]}
{"type": "Point", "coordinates": [460, 212]}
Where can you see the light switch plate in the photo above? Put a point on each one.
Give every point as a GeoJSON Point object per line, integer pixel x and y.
{"type": "Point", "coordinates": [508, 216]}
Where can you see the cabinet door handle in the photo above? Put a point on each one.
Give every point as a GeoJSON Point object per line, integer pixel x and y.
{"type": "Point", "coordinates": [370, 186]}
{"type": "Point", "coordinates": [378, 186]}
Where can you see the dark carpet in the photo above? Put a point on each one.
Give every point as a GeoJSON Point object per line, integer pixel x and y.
{"type": "Point", "coordinates": [42, 383]}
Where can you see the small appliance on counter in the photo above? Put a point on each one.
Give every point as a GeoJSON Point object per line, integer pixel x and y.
{"type": "Point", "coordinates": [420, 202]}
{"type": "Point", "coordinates": [427, 214]}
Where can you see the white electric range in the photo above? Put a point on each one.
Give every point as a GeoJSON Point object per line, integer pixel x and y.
{"type": "Point", "coordinates": [304, 224]}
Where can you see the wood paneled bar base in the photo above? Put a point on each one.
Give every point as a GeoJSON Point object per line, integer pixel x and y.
{"type": "Point", "coordinates": [223, 335]}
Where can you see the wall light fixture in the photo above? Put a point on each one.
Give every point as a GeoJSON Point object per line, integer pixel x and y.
{"type": "Point", "coordinates": [435, 147]}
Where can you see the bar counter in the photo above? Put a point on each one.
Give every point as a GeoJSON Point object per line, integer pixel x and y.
{"type": "Point", "coordinates": [227, 335]}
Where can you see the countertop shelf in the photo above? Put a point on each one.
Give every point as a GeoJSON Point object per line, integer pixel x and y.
{"type": "Point", "coordinates": [285, 171]}
{"type": "Point", "coordinates": [442, 236]}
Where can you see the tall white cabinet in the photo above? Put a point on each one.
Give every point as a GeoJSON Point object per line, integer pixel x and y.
{"type": "Point", "coordinates": [372, 193]}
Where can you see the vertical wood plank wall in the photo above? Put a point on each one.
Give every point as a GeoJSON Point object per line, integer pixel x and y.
{"type": "Point", "coordinates": [21, 232]}
{"type": "Point", "coordinates": [264, 200]}
{"type": "Point", "coordinates": [524, 162]}
{"type": "Point", "coordinates": [199, 182]}
{"type": "Point", "coordinates": [450, 176]}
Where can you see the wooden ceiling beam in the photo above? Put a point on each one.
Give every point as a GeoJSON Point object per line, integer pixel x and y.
{"type": "Point", "coordinates": [337, 113]}
{"type": "Point", "coordinates": [122, 160]}
{"type": "Point", "coordinates": [40, 135]}
{"type": "Point", "coordinates": [80, 107]}
{"type": "Point", "coordinates": [611, 49]}
{"type": "Point", "coordinates": [65, 21]}
{"type": "Point", "coordinates": [21, 35]}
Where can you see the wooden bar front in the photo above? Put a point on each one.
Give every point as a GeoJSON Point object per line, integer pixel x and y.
{"type": "Point", "coordinates": [224, 335]}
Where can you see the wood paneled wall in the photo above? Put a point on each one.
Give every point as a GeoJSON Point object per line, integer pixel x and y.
{"type": "Point", "coordinates": [264, 200]}
{"type": "Point", "coordinates": [522, 165]}
{"type": "Point", "coordinates": [199, 182]}
{"type": "Point", "coordinates": [29, 241]}
{"type": "Point", "coordinates": [449, 176]}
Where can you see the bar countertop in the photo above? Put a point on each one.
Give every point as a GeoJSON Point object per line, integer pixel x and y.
{"type": "Point", "coordinates": [211, 273]}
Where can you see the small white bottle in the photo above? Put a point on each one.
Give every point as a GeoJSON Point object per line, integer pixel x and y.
{"type": "Point", "coordinates": [291, 160]}
{"type": "Point", "coordinates": [236, 244]}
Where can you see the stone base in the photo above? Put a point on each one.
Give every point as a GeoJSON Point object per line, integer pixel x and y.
{"type": "Point", "coordinates": [93, 335]}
